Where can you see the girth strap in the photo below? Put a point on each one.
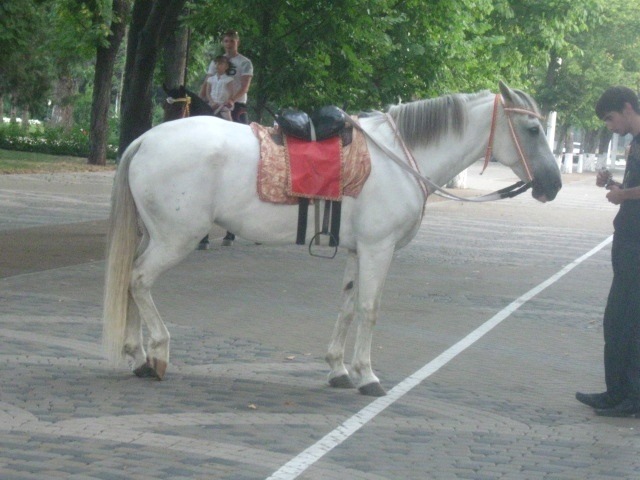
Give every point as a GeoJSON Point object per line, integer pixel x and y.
{"type": "Point", "coordinates": [303, 213]}
{"type": "Point", "coordinates": [336, 210]}
{"type": "Point", "coordinates": [330, 223]}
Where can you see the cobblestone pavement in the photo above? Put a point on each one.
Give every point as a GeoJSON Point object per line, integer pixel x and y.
{"type": "Point", "coordinates": [246, 388]}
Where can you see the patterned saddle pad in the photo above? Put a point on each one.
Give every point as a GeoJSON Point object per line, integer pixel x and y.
{"type": "Point", "coordinates": [274, 170]}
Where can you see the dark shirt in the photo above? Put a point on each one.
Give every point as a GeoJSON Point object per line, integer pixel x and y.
{"type": "Point", "coordinates": [627, 221]}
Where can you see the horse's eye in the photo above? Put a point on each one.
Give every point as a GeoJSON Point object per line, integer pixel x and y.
{"type": "Point", "coordinates": [534, 130]}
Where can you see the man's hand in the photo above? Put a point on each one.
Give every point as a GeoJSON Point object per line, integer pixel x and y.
{"type": "Point", "coordinates": [615, 195]}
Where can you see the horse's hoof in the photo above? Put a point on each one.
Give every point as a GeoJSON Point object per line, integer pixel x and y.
{"type": "Point", "coordinates": [372, 390]}
{"type": "Point", "coordinates": [160, 367]}
{"type": "Point", "coordinates": [154, 368]}
{"type": "Point", "coordinates": [145, 371]}
{"type": "Point", "coordinates": [343, 381]}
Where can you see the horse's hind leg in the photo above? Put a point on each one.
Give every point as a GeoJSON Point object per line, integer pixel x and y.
{"type": "Point", "coordinates": [158, 343]}
{"type": "Point", "coordinates": [146, 270]}
{"type": "Point", "coordinates": [133, 338]}
{"type": "Point", "coordinates": [133, 346]}
{"type": "Point", "coordinates": [339, 376]}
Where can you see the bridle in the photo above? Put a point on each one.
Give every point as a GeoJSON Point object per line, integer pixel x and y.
{"type": "Point", "coordinates": [516, 140]}
{"type": "Point", "coordinates": [187, 102]}
{"type": "Point", "coordinates": [428, 186]}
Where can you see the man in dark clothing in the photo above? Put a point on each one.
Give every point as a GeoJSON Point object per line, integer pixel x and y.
{"type": "Point", "coordinates": [618, 108]}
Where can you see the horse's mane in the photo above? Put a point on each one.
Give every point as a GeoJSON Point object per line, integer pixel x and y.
{"type": "Point", "coordinates": [198, 105]}
{"type": "Point", "coordinates": [423, 122]}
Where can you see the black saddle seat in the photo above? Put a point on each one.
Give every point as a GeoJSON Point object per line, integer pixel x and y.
{"type": "Point", "coordinates": [324, 123]}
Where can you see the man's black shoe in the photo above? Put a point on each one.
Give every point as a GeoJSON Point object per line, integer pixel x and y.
{"type": "Point", "coordinates": [597, 400]}
{"type": "Point", "coordinates": [629, 407]}
{"type": "Point", "coordinates": [228, 239]}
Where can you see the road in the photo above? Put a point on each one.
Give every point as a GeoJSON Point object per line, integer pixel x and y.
{"type": "Point", "coordinates": [245, 396]}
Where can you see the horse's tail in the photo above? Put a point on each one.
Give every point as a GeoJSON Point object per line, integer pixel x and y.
{"type": "Point", "coordinates": [122, 241]}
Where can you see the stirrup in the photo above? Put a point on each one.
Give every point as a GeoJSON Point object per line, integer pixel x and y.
{"type": "Point", "coordinates": [315, 240]}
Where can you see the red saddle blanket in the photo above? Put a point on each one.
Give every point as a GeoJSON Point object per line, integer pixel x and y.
{"type": "Point", "coordinates": [324, 170]}
{"type": "Point", "coordinates": [315, 168]}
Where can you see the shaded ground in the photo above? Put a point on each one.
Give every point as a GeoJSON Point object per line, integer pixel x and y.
{"type": "Point", "coordinates": [51, 246]}
{"type": "Point", "coordinates": [44, 247]}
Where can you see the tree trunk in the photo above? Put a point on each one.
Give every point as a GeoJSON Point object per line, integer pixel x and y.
{"type": "Point", "coordinates": [560, 136]}
{"type": "Point", "coordinates": [149, 27]}
{"type": "Point", "coordinates": [568, 142]}
{"type": "Point", "coordinates": [546, 97]}
{"type": "Point", "coordinates": [25, 118]}
{"type": "Point", "coordinates": [176, 48]}
{"type": "Point", "coordinates": [605, 138]}
{"type": "Point", "coordinates": [62, 114]}
{"type": "Point", "coordinates": [13, 110]}
{"type": "Point", "coordinates": [589, 144]}
{"type": "Point", "coordinates": [105, 61]}
{"type": "Point", "coordinates": [259, 84]}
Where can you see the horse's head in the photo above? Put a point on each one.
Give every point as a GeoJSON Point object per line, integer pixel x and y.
{"type": "Point", "coordinates": [182, 102]}
{"type": "Point", "coordinates": [177, 103]}
{"type": "Point", "coordinates": [520, 143]}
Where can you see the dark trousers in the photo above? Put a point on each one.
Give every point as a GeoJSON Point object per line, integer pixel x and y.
{"type": "Point", "coordinates": [622, 322]}
{"type": "Point", "coordinates": [239, 113]}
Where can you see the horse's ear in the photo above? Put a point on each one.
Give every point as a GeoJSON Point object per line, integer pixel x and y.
{"type": "Point", "coordinates": [507, 94]}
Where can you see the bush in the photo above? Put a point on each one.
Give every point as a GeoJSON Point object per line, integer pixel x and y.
{"type": "Point", "coordinates": [51, 140]}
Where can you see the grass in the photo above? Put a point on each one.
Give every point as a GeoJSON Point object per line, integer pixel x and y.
{"type": "Point", "coordinates": [13, 162]}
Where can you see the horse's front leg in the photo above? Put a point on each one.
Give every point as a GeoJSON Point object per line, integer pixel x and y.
{"type": "Point", "coordinates": [373, 266]}
{"type": "Point", "coordinates": [339, 376]}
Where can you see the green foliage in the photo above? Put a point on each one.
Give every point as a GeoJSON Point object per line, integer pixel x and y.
{"type": "Point", "coordinates": [359, 54]}
{"type": "Point", "coordinates": [24, 64]}
{"type": "Point", "coordinates": [305, 53]}
{"type": "Point", "coordinates": [79, 26]}
{"type": "Point", "coordinates": [45, 40]}
{"type": "Point", "coordinates": [50, 140]}
{"type": "Point", "coordinates": [601, 56]}
{"type": "Point", "coordinates": [366, 54]}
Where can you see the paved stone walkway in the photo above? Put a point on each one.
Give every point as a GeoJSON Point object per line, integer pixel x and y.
{"type": "Point", "coordinates": [245, 392]}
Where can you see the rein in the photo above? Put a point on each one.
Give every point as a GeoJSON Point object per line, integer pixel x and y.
{"type": "Point", "coordinates": [423, 185]}
{"type": "Point", "coordinates": [186, 100]}
{"type": "Point", "coordinates": [428, 186]}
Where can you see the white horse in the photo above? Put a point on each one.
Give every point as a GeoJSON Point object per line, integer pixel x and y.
{"type": "Point", "coordinates": [180, 178]}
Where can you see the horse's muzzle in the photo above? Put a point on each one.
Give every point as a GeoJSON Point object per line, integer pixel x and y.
{"type": "Point", "coordinates": [546, 191]}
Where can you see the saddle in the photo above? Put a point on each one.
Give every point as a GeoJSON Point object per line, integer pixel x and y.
{"type": "Point", "coordinates": [324, 123]}
{"type": "Point", "coordinates": [308, 158]}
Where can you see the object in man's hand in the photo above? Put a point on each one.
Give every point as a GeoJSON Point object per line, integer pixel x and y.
{"type": "Point", "coordinates": [604, 172]}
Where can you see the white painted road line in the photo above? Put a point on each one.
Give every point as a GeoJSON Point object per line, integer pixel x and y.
{"type": "Point", "coordinates": [315, 452]}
